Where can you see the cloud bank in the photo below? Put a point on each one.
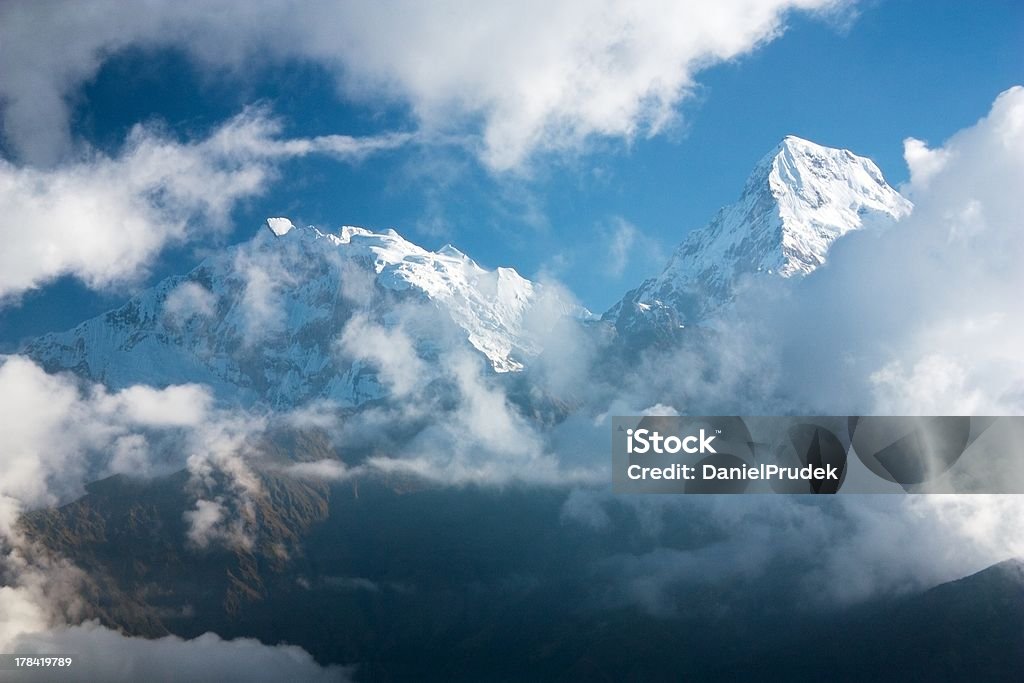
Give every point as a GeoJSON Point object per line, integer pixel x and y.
{"type": "Point", "coordinates": [507, 82]}
{"type": "Point", "coordinates": [104, 219]}
{"type": "Point", "coordinates": [815, 555]}
{"type": "Point", "coordinates": [920, 318]}
{"type": "Point", "coordinates": [59, 434]}
{"type": "Point", "coordinates": [55, 432]}
{"type": "Point", "coordinates": [914, 318]}
{"type": "Point", "coordinates": [521, 78]}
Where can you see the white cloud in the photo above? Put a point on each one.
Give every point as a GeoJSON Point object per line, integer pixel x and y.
{"type": "Point", "coordinates": [183, 405]}
{"type": "Point", "coordinates": [926, 323]}
{"type": "Point", "coordinates": [468, 431]}
{"type": "Point", "coordinates": [621, 246]}
{"type": "Point", "coordinates": [917, 318]}
{"type": "Point", "coordinates": [209, 522]}
{"type": "Point", "coordinates": [189, 299]}
{"type": "Point", "coordinates": [59, 433]}
{"type": "Point", "coordinates": [546, 77]}
{"type": "Point", "coordinates": [929, 387]}
{"type": "Point", "coordinates": [317, 414]}
{"type": "Point", "coordinates": [262, 305]}
{"type": "Point", "coordinates": [102, 654]}
{"type": "Point", "coordinates": [458, 423]}
{"type": "Point", "coordinates": [508, 81]}
{"type": "Point", "coordinates": [323, 470]}
{"type": "Point", "coordinates": [843, 546]}
{"type": "Point", "coordinates": [223, 481]}
{"type": "Point", "coordinates": [522, 77]}
{"type": "Point", "coordinates": [622, 237]}
{"type": "Point", "coordinates": [922, 161]}
{"type": "Point", "coordinates": [942, 537]}
{"type": "Point", "coordinates": [104, 219]}
{"type": "Point", "coordinates": [390, 350]}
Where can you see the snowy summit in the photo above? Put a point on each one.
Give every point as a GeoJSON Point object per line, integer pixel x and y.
{"type": "Point", "coordinates": [799, 199]}
{"type": "Point", "coordinates": [262, 320]}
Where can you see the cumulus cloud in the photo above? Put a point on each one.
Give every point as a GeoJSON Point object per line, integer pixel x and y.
{"type": "Point", "coordinates": [31, 623]}
{"type": "Point", "coordinates": [922, 161]}
{"type": "Point", "coordinates": [317, 414]}
{"type": "Point", "coordinates": [910, 339]}
{"type": "Point", "coordinates": [522, 78]}
{"type": "Point", "coordinates": [459, 427]}
{"type": "Point", "coordinates": [913, 319]}
{"type": "Point", "coordinates": [224, 482]}
{"type": "Point", "coordinates": [60, 433]}
{"type": "Point", "coordinates": [926, 386]}
{"type": "Point", "coordinates": [919, 319]}
{"type": "Point", "coordinates": [443, 415]}
{"type": "Point", "coordinates": [103, 219]}
{"type": "Point", "coordinates": [184, 405]}
{"type": "Point", "coordinates": [916, 319]}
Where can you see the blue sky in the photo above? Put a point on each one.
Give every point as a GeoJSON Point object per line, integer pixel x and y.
{"type": "Point", "coordinates": [865, 81]}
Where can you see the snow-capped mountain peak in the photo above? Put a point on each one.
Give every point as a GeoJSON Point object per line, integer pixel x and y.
{"type": "Point", "coordinates": [798, 200]}
{"type": "Point", "coordinates": [280, 226]}
{"type": "Point", "coordinates": [347, 232]}
{"type": "Point", "coordinates": [262, 319]}
{"type": "Point", "coordinates": [822, 193]}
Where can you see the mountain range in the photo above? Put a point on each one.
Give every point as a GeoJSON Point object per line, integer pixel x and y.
{"type": "Point", "coordinates": [260, 321]}
{"type": "Point", "coordinates": [414, 580]}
